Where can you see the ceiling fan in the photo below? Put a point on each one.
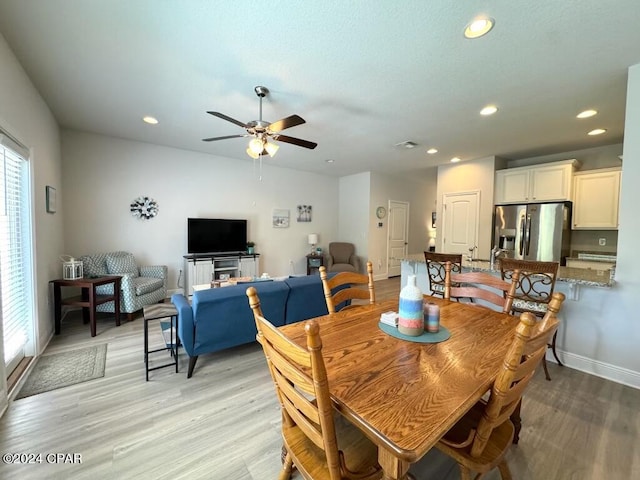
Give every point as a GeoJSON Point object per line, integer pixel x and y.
{"type": "Point", "coordinates": [262, 131]}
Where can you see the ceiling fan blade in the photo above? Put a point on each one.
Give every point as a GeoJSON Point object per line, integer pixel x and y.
{"type": "Point", "coordinates": [228, 119]}
{"type": "Point", "coordinates": [213, 139]}
{"type": "Point", "coordinates": [288, 122]}
{"type": "Point", "coordinates": [295, 141]}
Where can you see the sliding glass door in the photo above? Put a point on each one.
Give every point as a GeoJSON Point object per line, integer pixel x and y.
{"type": "Point", "coordinates": [15, 251]}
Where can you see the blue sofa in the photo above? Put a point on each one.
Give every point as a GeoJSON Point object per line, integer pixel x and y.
{"type": "Point", "coordinates": [220, 318]}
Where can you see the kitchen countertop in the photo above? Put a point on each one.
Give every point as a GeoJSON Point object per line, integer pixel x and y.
{"type": "Point", "coordinates": [578, 276]}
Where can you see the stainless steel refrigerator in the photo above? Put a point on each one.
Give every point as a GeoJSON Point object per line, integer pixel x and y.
{"type": "Point", "coordinates": [534, 231]}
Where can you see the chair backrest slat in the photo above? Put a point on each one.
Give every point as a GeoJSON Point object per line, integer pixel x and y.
{"type": "Point", "coordinates": [481, 286]}
{"type": "Point", "coordinates": [350, 287]}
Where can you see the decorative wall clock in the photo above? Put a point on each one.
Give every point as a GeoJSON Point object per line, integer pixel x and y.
{"type": "Point", "coordinates": [381, 212]}
{"type": "Point", "coordinates": [144, 207]}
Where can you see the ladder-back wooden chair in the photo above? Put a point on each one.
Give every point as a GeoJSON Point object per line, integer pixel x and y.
{"type": "Point", "coordinates": [480, 286]}
{"type": "Point", "coordinates": [533, 293]}
{"type": "Point", "coordinates": [320, 447]}
{"type": "Point", "coordinates": [480, 441]}
{"type": "Point", "coordinates": [435, 269]}
{"type": "Point", "coordinates": [345, 286]}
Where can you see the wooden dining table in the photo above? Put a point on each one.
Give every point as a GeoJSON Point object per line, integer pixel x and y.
{"type": "Point", "coordinates": [404, 395]}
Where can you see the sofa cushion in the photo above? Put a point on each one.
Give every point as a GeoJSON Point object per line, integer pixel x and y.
{"type": "Point", "coordinates": [306, 298]}
{"type": "Point", "coordinates": [121, 264]}
{"type": "Point", "coordinates": [144, 285]}
{"type": "Point", "coordinates": [222, 317]}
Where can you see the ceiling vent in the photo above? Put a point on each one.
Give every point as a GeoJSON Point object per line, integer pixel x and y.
{"type": "Point", "coordinates": [407, 144]}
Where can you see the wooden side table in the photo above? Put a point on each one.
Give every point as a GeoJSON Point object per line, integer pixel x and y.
{"type": "Point", "coordinates": [314, 262]}
{"type": "Point", "coordinates": [88, 300]}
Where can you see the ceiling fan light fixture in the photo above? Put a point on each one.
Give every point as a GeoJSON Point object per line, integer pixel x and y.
{"type": "Point", "coordinates": [271, 148]}
{"type": "Point", "coordinates": [256, 145]}
{"type": "Point", "coordinates": [252, 154]}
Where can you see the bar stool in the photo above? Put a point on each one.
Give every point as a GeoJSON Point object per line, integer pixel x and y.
{"type": "Point", "coordinates": [536, 283]}
{"type": "Point", "coordinates": [436, 270]}
{"type": "Point", "coordinates": [159, 311]}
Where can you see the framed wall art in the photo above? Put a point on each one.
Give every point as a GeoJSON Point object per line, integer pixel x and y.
{"type": "Point", "coordinates": [280, 218]}
{"type": "Point", "coordinates": [304, 213]}
{"type": "Point", "coordinates": [51, 199]}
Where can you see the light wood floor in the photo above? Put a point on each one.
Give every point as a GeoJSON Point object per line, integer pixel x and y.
{"type": "Point", "coordinates": [224, 422]}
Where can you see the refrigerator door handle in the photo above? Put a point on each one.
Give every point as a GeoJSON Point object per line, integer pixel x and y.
{"type": "Point", "coordinates": [522, 234]}
{"type": "Point", "coordinates": [528, 235]}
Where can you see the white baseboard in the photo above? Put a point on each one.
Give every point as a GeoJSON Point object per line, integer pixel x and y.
{"type": "Point", "coordinates": [175, 290]}
{"type": "Point", "coordinates": [597, 368]}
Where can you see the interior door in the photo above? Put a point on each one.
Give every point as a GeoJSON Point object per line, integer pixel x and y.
{"type": "Point", "coordinates": [398, 236]}
{"type": "Point", "coordinates": [460, 219]}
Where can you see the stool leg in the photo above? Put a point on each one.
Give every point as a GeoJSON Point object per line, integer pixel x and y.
{"type": "Point", "coordinates": [146, 349]}
{"type": "Point", "coordinates": [553, 349]}
{"type": "Point", "coordinates": [546, 370]}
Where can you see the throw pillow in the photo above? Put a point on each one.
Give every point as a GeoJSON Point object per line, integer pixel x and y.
{"type": "Point", "coordinates": [121, 264]}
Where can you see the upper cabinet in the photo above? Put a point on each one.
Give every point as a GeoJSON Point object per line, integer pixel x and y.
{"type": "Point", "coordinates": [596, 195]}
{"type": "Point", "coordinates": [540, 183]}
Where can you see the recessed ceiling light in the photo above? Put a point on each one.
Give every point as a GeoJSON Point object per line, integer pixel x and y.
{"type": "Point", "coordinates": [479, 26]}
{"type": "Point", "coordinates": [150, 120]}
{"type": "Point", "coordinates": [455, 160]}
{"type": "Point", "coordinates": [329, 160]}
{"type": "Point", "coordinates": [587, 114]}
{"type": "Point", "coordinates": [431, 151]}
{"type": "Point", "coordinates": [489, 110]}
{"type": "Point", "coordinates": [597, 131]}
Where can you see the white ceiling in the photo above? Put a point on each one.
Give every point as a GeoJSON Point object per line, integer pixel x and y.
{"type": "Point", "coordinates": [365, 75]}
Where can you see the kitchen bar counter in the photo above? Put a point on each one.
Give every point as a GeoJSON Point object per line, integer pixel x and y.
{"type": "Point", "coordinates": [574, 276]}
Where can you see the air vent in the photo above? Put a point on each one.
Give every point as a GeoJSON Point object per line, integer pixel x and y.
{"type": "Point", "coordinates": [407, 144]}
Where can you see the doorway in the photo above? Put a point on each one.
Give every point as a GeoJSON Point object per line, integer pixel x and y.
{"type": "Point", "coordinates": [398, 236]}
{"type": "Point", "coordinates": [460, 220]}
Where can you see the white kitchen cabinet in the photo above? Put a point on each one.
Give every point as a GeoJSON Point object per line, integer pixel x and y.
{"type": "Point", "coordinates": [539, 183]}
{"type": "Point", "coordinates": [596, 195]}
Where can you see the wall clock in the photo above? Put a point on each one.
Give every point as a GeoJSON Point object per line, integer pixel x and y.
{"type": "Point", "coordinates": [144, 207]}
{"type": "Point", "coordinates": [381, 212]}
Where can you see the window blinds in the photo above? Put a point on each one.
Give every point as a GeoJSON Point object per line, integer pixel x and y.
{"type": "Point", "coordinates": [15, 248]}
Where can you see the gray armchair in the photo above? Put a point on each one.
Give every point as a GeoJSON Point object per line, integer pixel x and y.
{"type": "Point", "coordinates": [140, 285]}
{"type": "Point", "coordinates": [342, 258]}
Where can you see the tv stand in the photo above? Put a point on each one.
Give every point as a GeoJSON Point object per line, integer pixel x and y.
{"type": "Point", "coordinates": [203, 267]}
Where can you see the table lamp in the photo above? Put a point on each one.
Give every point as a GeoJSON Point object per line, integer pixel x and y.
{"type": "Point", "coordinates": [312, 239]}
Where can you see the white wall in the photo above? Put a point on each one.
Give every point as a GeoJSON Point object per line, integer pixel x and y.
{"type": "Point", "coordinates": [25, 115]}
{"type": "Point", "coordinates": [353, 211]}
{"type": "Point", "coordinates": [465, 177]}
{"type": "Point", "coordinates": [103, 175]}
{"type": "Point", "coordinates": [421, 196]}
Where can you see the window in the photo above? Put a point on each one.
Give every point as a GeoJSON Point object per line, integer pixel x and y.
{"type": "Point", "coordinates": [15, 250]}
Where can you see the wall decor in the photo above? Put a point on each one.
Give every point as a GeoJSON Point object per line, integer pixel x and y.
{"type": "Point", "coordinates": [280, 218]}
{"type": "Point", "coordinates": [381, 212]}
{"type": "Point", "coordinates": [144, 208]}
{"type": "Point", "coordinates": [51, 199]}
{"type": "Point", "coordinates": [304, 213]}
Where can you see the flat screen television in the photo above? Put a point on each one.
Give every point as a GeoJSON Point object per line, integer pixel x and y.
{"type": "Point", "coordinates": [216, 235]}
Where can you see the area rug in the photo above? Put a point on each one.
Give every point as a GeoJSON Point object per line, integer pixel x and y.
{"type": "Point", "coordinates": [66, 368]}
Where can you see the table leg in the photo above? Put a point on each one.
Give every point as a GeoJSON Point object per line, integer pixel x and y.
{"type": "Point", "coordinates": [393, 468]}
{"type": "Point", "coordinates": [92, 309]}
{"type": "Point", "coordinates": [57, 304]}
{"type": "Point", "coordinates": [84, 293]}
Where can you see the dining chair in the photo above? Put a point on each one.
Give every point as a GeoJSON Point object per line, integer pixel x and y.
{"type": "Point", "coordinates": [533, 293]}
{"type": "Point", "coordinates": [480, 441]}
{"type": "Point", "coordinates": [345, 286]}
{"type": "Point", "coordinates": [311, 434]}
{"type": "Point", "coordinates": [480, 286]}
{"type": "Point", "coordinates": [435, 269]}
